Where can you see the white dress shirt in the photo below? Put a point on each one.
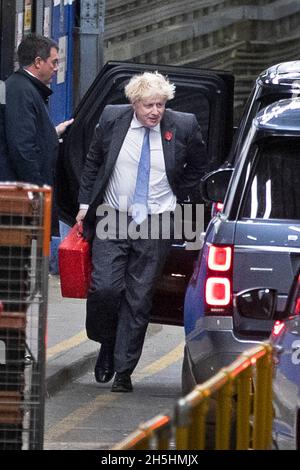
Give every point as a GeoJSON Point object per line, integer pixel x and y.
{"type": "Point", "coordinates": [120, 189]}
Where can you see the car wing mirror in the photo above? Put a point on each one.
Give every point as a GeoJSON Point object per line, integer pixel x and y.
{"type": "Point", "coordinates": [214, 185]}
{"type": "Point", "coordinates": [258, 303]}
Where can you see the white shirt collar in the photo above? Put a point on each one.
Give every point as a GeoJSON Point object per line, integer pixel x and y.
{"type": "Point", "coordinates": [135, 123]}
{"type": "Point", "coordinates": [29, 73]}
{"type": "Point", "coordinates": [34, 76]}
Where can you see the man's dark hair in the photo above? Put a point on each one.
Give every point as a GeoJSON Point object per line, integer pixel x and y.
{"type": "Point", "coordinates": [32, 46]}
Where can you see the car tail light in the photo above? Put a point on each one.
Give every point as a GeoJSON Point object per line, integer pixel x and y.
{"type": "Point", "coordinates": [216, 208]}
{"type": "Point", "coordinates": [297, 306]}
{"type": "Point", "coordinates": [277, 328]}
{"type": "Point", "coordinates": [218, 291]}
{"type": "Point", "coordinates": [295, 310]}
{"type": "Point", "coordinates": [218, 284]}
{"type": "Point", "coordinates": [219, 258]}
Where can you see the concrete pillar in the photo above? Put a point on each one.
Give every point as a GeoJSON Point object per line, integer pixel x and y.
{"type": "Point", "coordinates": [7, 40]}
{"type": "Point", "coordinates": [89, 43]}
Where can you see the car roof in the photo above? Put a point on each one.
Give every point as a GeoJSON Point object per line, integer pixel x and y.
{"type": "Point", "coordinates": [283, 74]}
{"type": "Point", "coordinates": [280, 117]}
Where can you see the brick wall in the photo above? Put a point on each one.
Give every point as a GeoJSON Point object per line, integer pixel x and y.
{"type": "Point", "coordinates": [243, 36]}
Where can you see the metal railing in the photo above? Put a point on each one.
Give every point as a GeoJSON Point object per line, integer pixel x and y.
{"type": "Point", "coordinates": [25, 231]}
{"type": "Point", "coordinates": [239, 401]}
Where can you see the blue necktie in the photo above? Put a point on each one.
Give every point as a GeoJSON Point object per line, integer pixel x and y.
{"type": "Point", "coordinates": [140, 197]}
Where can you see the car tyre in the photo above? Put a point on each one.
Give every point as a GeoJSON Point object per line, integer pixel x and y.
{"type": "Point", "coordinates": [188, 381]}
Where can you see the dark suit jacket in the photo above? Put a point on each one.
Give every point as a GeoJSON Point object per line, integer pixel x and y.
{"type": "Point", "coordinates": [31, 137]}
{"type": "Point", "coordinates": [184, 154]}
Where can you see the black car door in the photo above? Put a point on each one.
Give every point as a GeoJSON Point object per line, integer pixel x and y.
{"type": "Point", "coordinates": [207, 94]}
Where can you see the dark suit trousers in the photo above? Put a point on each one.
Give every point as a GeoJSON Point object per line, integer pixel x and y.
{"type": "Point", "coordinates": [120, 299]}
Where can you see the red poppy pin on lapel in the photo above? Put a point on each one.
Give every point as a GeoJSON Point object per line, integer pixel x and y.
{"type": "Point", "coordinates": [168, 135]}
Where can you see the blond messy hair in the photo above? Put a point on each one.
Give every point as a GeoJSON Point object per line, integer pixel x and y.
{"type": "Point", "coordinates": [147, 85]}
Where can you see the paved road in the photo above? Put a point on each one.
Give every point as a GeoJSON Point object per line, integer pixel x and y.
{"type": "Point", "coordinates": [86, 415]}
{"type": "Point", "coordinates": [69, 352]}
{"type": "Point", "coordinates": [81, 414]}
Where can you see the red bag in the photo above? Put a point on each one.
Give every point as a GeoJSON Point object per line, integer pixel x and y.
{"type": "Point", "coordinates": [75, 264]}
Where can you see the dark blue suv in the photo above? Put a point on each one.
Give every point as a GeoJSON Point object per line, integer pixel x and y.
{"type": "Point", "coordinates": [254, 241]}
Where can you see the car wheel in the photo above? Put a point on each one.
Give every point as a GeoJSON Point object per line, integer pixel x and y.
{"type": "Point", "coordinates": [188, 381]}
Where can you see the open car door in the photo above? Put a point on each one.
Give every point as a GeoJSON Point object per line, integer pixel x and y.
{"type": "Point", "coordinates": [207, 94]}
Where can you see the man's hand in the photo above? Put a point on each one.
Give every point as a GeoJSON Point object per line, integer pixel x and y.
{"type": "Point", "coordinates": [81, 215]}
{"type": "Point", "coordinates": [60, 128]}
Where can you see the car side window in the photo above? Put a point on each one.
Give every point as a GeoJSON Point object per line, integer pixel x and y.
{"type": "Point", "coordinates": [240, 177]}
{"type": "Point", "coordinates": [273, 189]}
{"type": "Point", "coordinates": [253, 106]}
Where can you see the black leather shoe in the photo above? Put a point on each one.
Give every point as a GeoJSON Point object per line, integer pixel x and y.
{"type": "Point", "coordinates": [104, 368]}
{"type": "Point", "coordinates": [122, 383]}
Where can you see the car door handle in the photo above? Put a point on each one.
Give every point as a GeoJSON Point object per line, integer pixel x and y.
{"type": "Point", "coordinates": [278, 349]}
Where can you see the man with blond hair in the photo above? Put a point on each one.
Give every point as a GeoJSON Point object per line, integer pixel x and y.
{"type": "Point", "coordinates": [143, 158]}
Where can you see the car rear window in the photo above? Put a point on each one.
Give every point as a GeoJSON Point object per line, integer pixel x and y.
{"type": "Point", "coordinates": [273, 189]}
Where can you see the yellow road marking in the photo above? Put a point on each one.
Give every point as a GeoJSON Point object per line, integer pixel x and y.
{"type": "Point", "coordinates": [69, 343]}
{"type": "Point", "coordinates": [72, 420]}
{"type": "Point", "coordinates": [161, 363]}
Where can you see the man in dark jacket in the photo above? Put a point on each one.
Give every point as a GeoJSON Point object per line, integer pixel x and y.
{"type": "Point", "coordinates": [32, 139]}
{"type": "Point", "coordinates": [142, 159]}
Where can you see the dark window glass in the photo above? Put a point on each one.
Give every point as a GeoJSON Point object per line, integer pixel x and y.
{"type": "Point", "coordinates": [252, 107]}
{"type": "Point", "coordinates": [273, 189]}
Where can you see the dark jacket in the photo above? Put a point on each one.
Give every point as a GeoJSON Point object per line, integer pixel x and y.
{"type": "Point", "coordinates": [183, 147]}
{"type": "Point", "coordinates": [31, 137]}
{"type": "Point", "coordinates": [6, 170]}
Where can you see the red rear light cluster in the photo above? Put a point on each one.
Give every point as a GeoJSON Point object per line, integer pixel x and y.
{"type": "Point", "coordinates": [219, 206]}
{"type": "Point", "coordinates": [216, 207]}
{"type": "Point", "coordinates": [219, 258]}
{"type": "Point", "coordinates": [296, 301]}
{"type": "Point", "coordinates": [218, 291]}
{"type": "Point", "coordinates": [277, 328]}
{"type": "Point", "coordinates": [218, 286]}
{"type": "Point", "coordinates": [297, 307]}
